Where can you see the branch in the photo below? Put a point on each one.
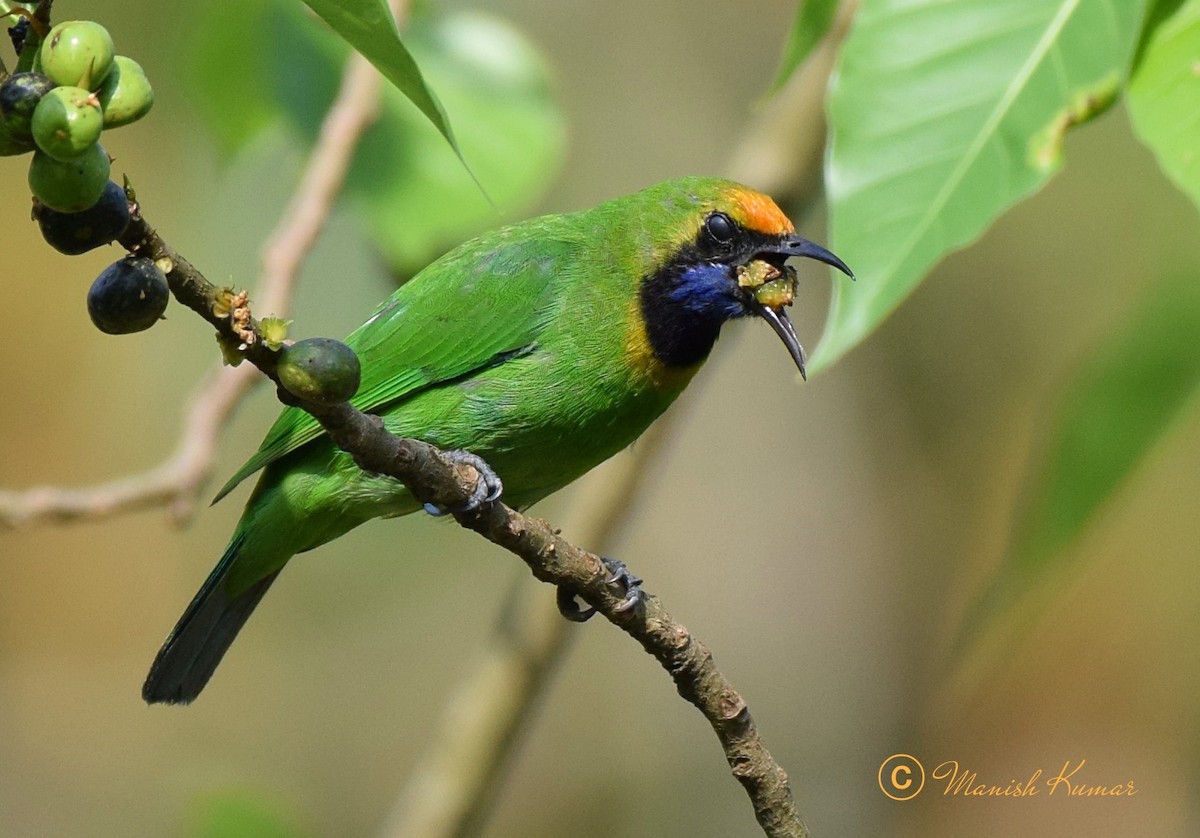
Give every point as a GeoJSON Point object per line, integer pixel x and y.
{"type": "Point", "coordinates": [782, 150]}
{"type": "Point", "coordinates": [452, 793]}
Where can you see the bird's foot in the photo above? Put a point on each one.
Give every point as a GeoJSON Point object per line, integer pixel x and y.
{"type": "Point", "coordinates": [630, 587]}
{"type": "Point", "coordinates": [488, 487]}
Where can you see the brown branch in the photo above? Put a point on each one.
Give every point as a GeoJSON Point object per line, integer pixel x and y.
{"type": "Point", "coordinates": [781, 151]}
{"type": "Point", "coordinates": [353, 111]}
{"type": "Point", "coordinates": [453, 791]}
{"type": "Point", "coordinates": [453, 785]}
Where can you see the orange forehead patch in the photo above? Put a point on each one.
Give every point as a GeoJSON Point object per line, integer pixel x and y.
{"type": "Point", "coordinates": [755, 211]}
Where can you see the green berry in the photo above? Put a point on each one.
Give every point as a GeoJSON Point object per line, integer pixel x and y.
{"type": "Point", "coordinates": [67, 122]}
{"type": "Point", "coordinates": [71, 185]}
{"type": "Point", "coordinates": [130, 295]}
{"type": "Point", "coordinates": [126, 95]}
{"type": "Point", "coordinates": [19, 97]}
{"type": "Point", "coordinates": [78, 53]}
{"type": "Point", "coordinates": [78, 232]}
{"type": "Point", "coordinates": [320, 370]}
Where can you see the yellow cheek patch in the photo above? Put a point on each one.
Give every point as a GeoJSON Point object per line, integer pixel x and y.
{"type": "Point", "coordinates": [643, 363]}
{"type": "Point", "coordinates": [755, 211]}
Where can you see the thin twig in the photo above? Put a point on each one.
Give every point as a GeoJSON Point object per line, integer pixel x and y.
{"type": "Point", "coordinates": [177, 482]}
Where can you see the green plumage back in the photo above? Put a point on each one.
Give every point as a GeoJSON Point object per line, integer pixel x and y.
{"type": "Point", "coordinates": [494, 296]}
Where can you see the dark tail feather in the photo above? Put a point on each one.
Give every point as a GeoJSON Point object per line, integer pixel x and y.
{"type": "Point", "coordinates": [198, 642]}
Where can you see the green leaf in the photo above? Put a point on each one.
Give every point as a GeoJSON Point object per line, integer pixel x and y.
{"type": "Point", "coordinates": [944, 113]}
{"type": "Point", "coordinates": [812, 22]}
{"type": "Point", "coordinates": [1164, 97]}
{"type": "Point", "coordinates": [368, 26]}
{"type": "Point", "coordinates": [1115, 412]}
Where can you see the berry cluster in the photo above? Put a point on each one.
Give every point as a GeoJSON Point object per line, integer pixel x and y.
{"type": "Point", "coordinates": [76, 87]}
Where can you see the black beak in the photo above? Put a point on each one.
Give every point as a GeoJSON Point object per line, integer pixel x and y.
{"type": "Point", "coordinates": [782, 324]}
{"type": "Point", "coordinates": [794, 245]}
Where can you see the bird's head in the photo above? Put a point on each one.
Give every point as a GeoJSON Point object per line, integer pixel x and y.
{"type": "Point", "coordinates": [725, 257]}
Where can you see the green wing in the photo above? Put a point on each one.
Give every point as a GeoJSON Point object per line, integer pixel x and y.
{"type": "Point", "coordinates": [469, 311]}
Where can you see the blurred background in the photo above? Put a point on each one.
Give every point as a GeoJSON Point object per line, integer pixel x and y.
{"type": "Point", "coordinates": [825, 539]}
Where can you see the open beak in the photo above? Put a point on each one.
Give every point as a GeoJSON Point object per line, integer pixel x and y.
{"type": "Point", "coordinates": [788, 247]}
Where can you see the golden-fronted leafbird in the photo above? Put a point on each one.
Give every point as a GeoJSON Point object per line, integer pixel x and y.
{"type": "Point", "coordinates": [544, 348]}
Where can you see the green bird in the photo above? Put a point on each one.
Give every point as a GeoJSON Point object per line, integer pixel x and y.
{"type": "Point", "coordinates": [543, 348]}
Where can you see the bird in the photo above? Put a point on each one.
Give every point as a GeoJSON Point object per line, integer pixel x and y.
{"type": "Point", "coordinates": [541, 349]}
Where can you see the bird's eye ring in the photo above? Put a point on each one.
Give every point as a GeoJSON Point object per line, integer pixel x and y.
{"type": "Point", "coordinates": [720, 228]}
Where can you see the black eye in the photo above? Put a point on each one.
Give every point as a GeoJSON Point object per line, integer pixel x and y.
{"type": "Point", "coordinates": [720, 228]}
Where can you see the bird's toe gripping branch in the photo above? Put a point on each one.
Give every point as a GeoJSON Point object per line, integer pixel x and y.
{"type": "Point", "coordinates": [488, 486]}
{"type": "Point", "coordinates": [629, 585]}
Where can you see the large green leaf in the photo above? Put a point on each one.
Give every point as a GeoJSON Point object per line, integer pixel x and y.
{"type": "Point", "coordinates": [1113, 415]}
{"type": "Point", "coordinates": [368, 26]}
{"type": "Point", "coordinates": [812, 22]}
{"type": "Point", "coordinates": [1164, 97]}
{"type": "Point", "coordinates": [944, 113]}
{"type": "Point", "coordinates": [413, 196]}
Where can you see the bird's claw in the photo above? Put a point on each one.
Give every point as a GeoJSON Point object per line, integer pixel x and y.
{"type": "Point", "coordinates": [488, 486]}
{"type": "Point", "coordinates": [568, 606]}
{"type": "Point", "coordinates": [629, 584]}
{"type": "Point", "coordinates": [632, 585]}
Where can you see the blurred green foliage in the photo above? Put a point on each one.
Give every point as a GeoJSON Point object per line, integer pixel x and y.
{"type": "Point", "coordinates": [1122, 405]}
{"type": "Point", "coordinates": [812, 22]}
{"type": "Point", "coordinates": [238, 813]}
{"type": "Point", "coordinates": [414, 198]}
